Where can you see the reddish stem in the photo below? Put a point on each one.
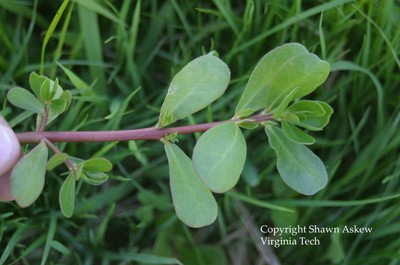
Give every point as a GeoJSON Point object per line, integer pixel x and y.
{"type": "Point", "coordinates": [45, 118]}
{"type": "Point", "coordinates": [124, 135]}
{"type": "Point", "coordinates": [67, 162]}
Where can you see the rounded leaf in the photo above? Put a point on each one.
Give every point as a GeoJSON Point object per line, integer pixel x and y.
{"type": "Point", "coordinates": [219, 156]}
{"type": "Point", "coordinates": [97, 164]}
{"type": "Point", "coordinates": [28, 175]}
{"type": "Point", "coordinates": [36, 81]}
{"type": "Point", "coordinates": [24, 99]}
{"type": "Point", "coordinates": [45, 94]}
{"type": "Point", "coordinates": [56, 160]}
{"type": "Point", "coordinates": [307, 107]}
{"type": "Point", "coordinates": [295, 134]}
{"type": "Point", "coordinates": [299, 168]}
{"type": "Point", "coordinates": [67, 196]}
{"type": "Point", "coordinates": [94, 178]}
{"type": "Point", "coordinates": [199, 83]}
{"type": "Point", "coordinates": [58, 106]}
{"type": "Point", "coordinates": [280, 71]}
{"type": "Point", "coordinates": [313, 122]}
{"type": "Point", "coordinates": [194, 203]}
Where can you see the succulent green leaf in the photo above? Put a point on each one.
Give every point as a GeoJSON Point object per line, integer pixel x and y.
{"type": "Point", "coordinates": [54, 88]}
{"type": "Point", "coordinates": [299, 168]}
{"type": "Point", "coordinates": [24, 99]}
{"type": "Point", "coordinates": [247, 124]}
{"type": "Point", "coordinates": [292, 117]}
{"type": "Point", "coordinates": [199, 83]}
{"type": "Point", "coordinates": [316, 123]}
{"type": "Point", "coordinates": [45, 91]}
{"type": "Point", "coordinates": [94, 178]}
{"type": "Point", "coordinates": [307, 107]}
{"type": "Point", "coordinates": [284, 104]}
{"type": "Point", "coordinates": [78, 171]}
{"type": "Point", "coordinates": [56, 160]}
{"type": "Point", "coordinates": [97, 164]}
{"type": "Point", "coordinates": [28, 176]}
{"type": "Point", "coordinates": [280, 71]}
{"type": "Point", "coordinates": [36, 82]}
{"type": "Point", "coordinates": [295, 134]}
{"type": "Point", "coordinates": [67, 96]}
{"type": "Point", "coordinates": [219, 157]}
{"type": "Point", "coordinates": [58, 106]}
{"type": "Point", "coordinates": [67, 196]}
{"type": "Point", "coordinates": [194, 203]}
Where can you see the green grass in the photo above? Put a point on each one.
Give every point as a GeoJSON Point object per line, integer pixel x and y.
{"type": "Point", "coordinates": [118, 47]}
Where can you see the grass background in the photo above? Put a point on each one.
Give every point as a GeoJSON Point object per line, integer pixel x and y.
{"type": "Point", "coordinates": [129, 51]}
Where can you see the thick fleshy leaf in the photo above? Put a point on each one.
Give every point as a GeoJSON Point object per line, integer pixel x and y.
{"type": "Point", "coordinates": [67, 96]}
{"type": "Point", "coordinates": [247, 124]}
{"type": "Point", "coordinates": [315, 123]}
{"type": "Point", "coordinates": [219, 157]}
{"type": "Point", "coordinates": [307, 107]}
{"type": "Point", "coordinates": [28, 175]}
{"type": "Point", "coordinates": [58, 106]}
{"type": "Point", "coordinates": [299, 168]}
{"type": "Point", "coordinates": [36, 82]}
{"type": "Point", "coordinates": [56, 160]}
{"type": "Point", "coordinates": [295, 134]}
{"type": "Point", "coordinates": [94, 178]}
{"type": "Point", "coordinates": [24, 99]}
{"type": "Point", "coordinates": [97, 164]}
{"type": "Point", "coordinates": [284, 104]}
{"type": "Point", "coordinates": [67, 196]}
{"type": "Point", "coordinates": [45, 94]}
{"type": "Point", "coordinates": [199, 83]}
{"type": "Point", "coordinates": [194, 203]}
{"type": "Point", "coordinates": [280, 71]}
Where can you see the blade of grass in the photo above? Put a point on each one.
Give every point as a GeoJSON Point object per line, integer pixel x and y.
{"type": "Point", "coordinates": [322, 36]}
{"type": "Point", "coordinates": [50, 237]}
{"type": "Point", "coordinates": [142, 258]}
{"type": "Point", "coordinates": [16, 58]}
{"type": "Point", "coordinates": [350, 66]}
{"type": "Point", "coordinates": [61, 41]}
{"type": "Point", "coordinates": [226, 10]}
{"type": "Point", "coordinates": [258, 203]}
{"type": "Point", "coordinates": [99, 9]}
{"type": "Point", "coordinates": [12, 242]}
{"type": "Point", "coordinates": [294, 19]}
{"type": "Point", "coordinates": [388, 43]}
{"type": "Point", "coordinates": [19, 8]}
{"type": "Point", "coordinates": [183, 19]}
{"type": "Point", "coordinates": [50, 32]}
{"type": "Point", "coordinates": [132, 69]}
{"type": "Point", "coordinates": [333, 203]}
{"type": "Point", "coordinates": [92, 43]}
{"type": "Point", "coordinates": [101, 231]}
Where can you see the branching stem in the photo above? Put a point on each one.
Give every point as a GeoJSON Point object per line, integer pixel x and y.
{"type": "Point", "coordinates": [45, 118]}
{"type": "Point", "coordinates": [125, 135]}
{"type": "Point", "coordinates": [55, 149]}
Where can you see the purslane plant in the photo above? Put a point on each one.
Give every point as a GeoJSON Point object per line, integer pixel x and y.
{"type": "Point", "coordinates": [272, 99]}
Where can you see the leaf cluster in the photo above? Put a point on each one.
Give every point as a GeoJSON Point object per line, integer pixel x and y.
{"type": "Point", "coordinates": [281, 77]}
{"type": "Point", "coordinates": [48, 101]}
